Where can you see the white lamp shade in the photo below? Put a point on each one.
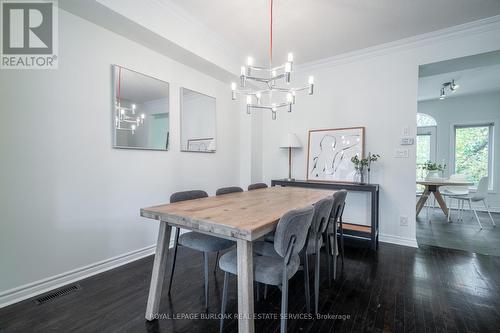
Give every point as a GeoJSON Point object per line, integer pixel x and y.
{"type": "Point", "coordinates": [290, 141]}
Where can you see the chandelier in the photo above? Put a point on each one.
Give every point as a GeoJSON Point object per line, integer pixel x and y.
{"type": "Point", "coordinates": [126, 116]}
{"type": "Point", "coordinates": [272, 84]}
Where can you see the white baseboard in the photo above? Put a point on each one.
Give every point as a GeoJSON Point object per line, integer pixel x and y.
{"type": "Point", "coordinates": [41, 286]}
{"type": "Point", "coordinates": [411, 242]}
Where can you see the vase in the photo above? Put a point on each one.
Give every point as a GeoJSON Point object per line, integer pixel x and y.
{"type": "Point", "coordinates": [432, 174]}
{"type": "Point", "coordinates": [359, 176]}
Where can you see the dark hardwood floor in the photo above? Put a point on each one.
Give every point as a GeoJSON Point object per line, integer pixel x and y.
{"type": "Point", "coordinates": [397, 289]}
{"type": "Point", "coordinates": [461, 235]}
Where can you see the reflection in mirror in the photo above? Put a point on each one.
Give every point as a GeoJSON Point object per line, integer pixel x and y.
{"type": "Point", "coordinates": [141, 111]}
{"type": "Point", "coordinates": [198, 122]}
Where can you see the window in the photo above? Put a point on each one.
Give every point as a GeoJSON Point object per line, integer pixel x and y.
{"type": "Point", "coordinates": [426, 141]}
{"type": "Point", "coordinates": [473, 151]}
{"type": "Point", "coordinates": [424, 120]}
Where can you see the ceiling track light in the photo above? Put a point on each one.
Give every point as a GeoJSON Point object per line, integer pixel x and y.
{"type": "Point", "coordinates": [451, 85]}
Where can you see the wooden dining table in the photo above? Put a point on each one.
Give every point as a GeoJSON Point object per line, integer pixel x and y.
{"type": "Point", "coordinates": [242, 217]}
{"type": "Point", "coordinates": [432, 186]}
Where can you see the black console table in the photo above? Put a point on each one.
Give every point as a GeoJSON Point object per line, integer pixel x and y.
{"type": "Point", "coordinates": [351, 230]}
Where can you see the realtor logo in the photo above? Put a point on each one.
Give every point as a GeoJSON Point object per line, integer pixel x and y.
{"type": "Point", "coordinates": [29, 34]}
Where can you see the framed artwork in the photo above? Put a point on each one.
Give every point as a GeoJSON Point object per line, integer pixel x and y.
{"type": "Point", "coordinates": [330, 152]}
{"type": "Point", "coordinates": [203, 145]}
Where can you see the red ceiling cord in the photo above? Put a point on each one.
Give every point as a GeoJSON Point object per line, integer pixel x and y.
{"type": "Point", "coordinates": [271, 33]}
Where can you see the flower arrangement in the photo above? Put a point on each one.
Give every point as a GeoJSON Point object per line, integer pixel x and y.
{"type": "Point", "coordinates": [361, 164]}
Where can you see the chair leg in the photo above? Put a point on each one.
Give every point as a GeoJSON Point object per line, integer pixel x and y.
{"type": "Point", "coordinates": [334, 255]}
{"type": "Point", "coordinates": [257, 291]}
{"type": "Point", "coordinates": [224, 302]}
{"type": "Point", "coordinates": [172, 267]}
{"type": "Point", "coordinates": [329, 261]}
{"type": "Point", "coordinates": [316, 279]}
{"type": "Point", "coordinates": [341, 243]}
{"type": "Point", "coordinates": [284, 301]}
{"type": "Point", "coordinates": [205, 259]}
{"type": "Point", "coordinates": [449, 209]}
{"type": "Point", "coordinates": [489, 213]}
{"type": "Point", "coordinates": [265, 291]}
{"type": "Point", "coordinates": [216, 261]}
{"type": "Point", "coordinates": [475, 214]}
{"type": "Point", "coordinates": [306, 282]}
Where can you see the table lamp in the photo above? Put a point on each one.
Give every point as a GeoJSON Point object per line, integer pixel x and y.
{"type": "Point", "coordinates": [290, 141]}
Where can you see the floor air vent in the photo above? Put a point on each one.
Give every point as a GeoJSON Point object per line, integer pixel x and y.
{"type": "Point", "coordinates": [56, 294]}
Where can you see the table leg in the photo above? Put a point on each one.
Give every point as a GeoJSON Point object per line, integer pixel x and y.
{"type": "Point", "coordinates": [159, 268]}
{"type": "Point", "coordinates": [245, 286]}
{"type": "Point", "coordinates": [422, 200]}
{"type": "Point", "coordinates": [440, 200]}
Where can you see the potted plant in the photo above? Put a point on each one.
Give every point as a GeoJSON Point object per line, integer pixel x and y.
{"type": "Point", "coordinates": [360, 165]}
{"type": "Point", "coordinates": [433, 169]}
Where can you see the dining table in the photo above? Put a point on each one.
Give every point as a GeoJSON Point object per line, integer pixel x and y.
{"type": "Point", "coordinates": [432, 186]}
{"type": "Point", "coordinates": [243, 217]}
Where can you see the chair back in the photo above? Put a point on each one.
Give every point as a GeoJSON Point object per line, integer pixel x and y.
{"type": "Point", "coordinates": [256, 186]}
{"type": "Point", "coordinates": [293, 226]}
{"type": "Point", "coordinates": [227, 190]}
{"type": "Point", "coordinates": [482, 189]}
{"type": "Point", "coordinates": [322, 211]}
{"type": "Point", "coordinates": [338, 205]}
{"type": "Point", "coordinates": [187, 195]}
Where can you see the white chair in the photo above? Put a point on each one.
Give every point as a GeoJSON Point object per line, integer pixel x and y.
{"type": "Point", "coordinates": [454, 191]}
{"type": "Point", "coordinates": [480, 195]}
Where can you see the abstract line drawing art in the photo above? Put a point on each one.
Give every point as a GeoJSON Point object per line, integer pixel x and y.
{"type": "Point", "coordinates": [330, 152]}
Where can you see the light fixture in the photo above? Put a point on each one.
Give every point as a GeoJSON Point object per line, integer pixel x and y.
{"type": "Point", "coordinates": [451, 85]}
{"type": "Point", "coordinates": [443, 94]}
{"type": "Point", "coordinates": [269, 95]}
{"type": "Point", "coordinates": [125, 116]}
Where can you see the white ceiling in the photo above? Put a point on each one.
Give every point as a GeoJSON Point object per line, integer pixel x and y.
{"type": "Point", "coordinates": [317, 29]}
{"type": "Point", "coordinates": [475, 74]}
{"type": "Point", "coordinates": [140, 88]}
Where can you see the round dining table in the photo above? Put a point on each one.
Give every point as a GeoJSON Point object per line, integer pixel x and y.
{"type": "Point", "coordinates": [433, 185]}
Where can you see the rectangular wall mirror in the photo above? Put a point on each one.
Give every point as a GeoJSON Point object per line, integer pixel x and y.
{"type": "Point", "coordinates": [141, 111]}
{"type": "Point", "coordinates": [198, 122]}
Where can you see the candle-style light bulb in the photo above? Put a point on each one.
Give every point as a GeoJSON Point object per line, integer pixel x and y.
{"type": "Point", "coordinates": [258, 96]}
{"type": "Point", "coordinates": [233, 86]}
{"type": "Point", "coordinates": [249, 61]}
{"type": "Point", "coordinates": [249, 100]}
{"type": "Point", "coordinates": [289, 97]}
{"type": "Point", "coordinates": [243, 70]}
{"type": "Point", "coordinates": [290, 57]}
{"type": "Point", "coordinates": [233, 90]}
{"type": "Point", "coordinates": [311, 85]}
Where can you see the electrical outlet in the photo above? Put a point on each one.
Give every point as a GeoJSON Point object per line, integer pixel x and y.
{"type": "Point", "coordinates": [403, 221]}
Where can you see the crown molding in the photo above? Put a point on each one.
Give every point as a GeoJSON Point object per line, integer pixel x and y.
{"type": "Point", "coordinates": [438, 36]}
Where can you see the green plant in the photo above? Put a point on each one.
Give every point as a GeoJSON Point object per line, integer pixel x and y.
{"type": "Point", "coordinates": [429, 166]}
{"type": "Point", "coordinates": [360, 164]}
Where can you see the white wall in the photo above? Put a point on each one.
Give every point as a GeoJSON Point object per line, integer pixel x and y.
{"type": "Point", "coordinates": [375, 88]}
{"type": "Point", "coordinates": [67, 199]}
{"type": "Point", "coordinates": [468, 109]}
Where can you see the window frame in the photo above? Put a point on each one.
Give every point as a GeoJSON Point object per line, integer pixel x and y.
{"type": "Point", "coordinates": [432, 132]}
{"type": "Point", "coordinates": [491, 150]}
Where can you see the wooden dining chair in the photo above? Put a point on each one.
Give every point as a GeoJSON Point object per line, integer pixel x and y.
{"type": "Point", "coordinates": [278, 268]}
{"type": "Point", "coordinates": [256, 186]}
{"type": "Point", "coordinates": [196, 241]}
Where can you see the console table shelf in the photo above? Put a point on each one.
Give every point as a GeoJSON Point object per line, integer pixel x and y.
{"type": "Point", "coordinates": [351, 230]}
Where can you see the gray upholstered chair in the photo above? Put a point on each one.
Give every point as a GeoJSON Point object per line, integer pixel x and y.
{"type": "Point", "coordinates": [291, 235]}
{"type": "Point", "coordinates": [322, 211]}
{"type": "Point", "coordinates": [227, 190]}
{"type": "Point", "coordinates": [256, 186]}
{"type": "Point", "coordinates": [195, 240]}
{"type": "Point", "coordinates": [331, 233]}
